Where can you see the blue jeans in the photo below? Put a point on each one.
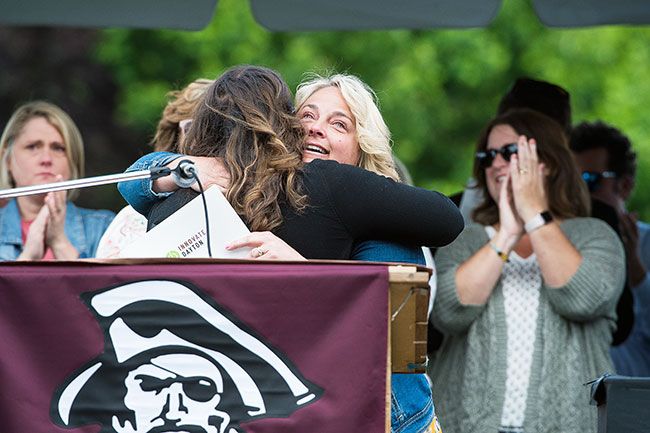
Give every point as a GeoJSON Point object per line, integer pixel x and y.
{"type": "Point", "coordinates": [411, 403]}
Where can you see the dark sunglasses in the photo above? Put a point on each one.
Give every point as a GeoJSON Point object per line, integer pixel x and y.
{"type": "Point", "coordinates": [593, 178]}
{"type": "Point", "coordinates": [486, 158]}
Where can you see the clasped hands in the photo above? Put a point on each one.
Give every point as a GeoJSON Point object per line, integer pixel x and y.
{"type": "Point", "coordinates": [48, 230]}
{"type": "Point", "coordinates": [522, 193]}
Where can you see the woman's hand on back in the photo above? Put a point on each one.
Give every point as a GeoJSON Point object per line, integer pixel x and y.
{"type": "Point", "coordinates": [212, 171]}
{"type": "Point", "coordinates": [266, 246]}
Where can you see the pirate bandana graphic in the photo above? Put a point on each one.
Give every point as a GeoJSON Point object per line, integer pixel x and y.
{"type": "Point", "coordinates": [174, 361]}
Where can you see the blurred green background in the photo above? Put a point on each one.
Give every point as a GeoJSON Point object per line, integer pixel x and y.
{"type": "Point", "coordinates": [437, 87]}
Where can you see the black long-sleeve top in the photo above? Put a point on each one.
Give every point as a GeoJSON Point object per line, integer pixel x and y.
{"type": "Point", "coordinates": [347, 204]}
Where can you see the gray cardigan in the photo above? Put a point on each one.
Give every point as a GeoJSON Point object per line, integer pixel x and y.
{"type": "Point", "coordinates": [573, 335]}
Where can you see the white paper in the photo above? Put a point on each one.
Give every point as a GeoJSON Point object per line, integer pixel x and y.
{"type": "Point", "coordinates": [183, 234]}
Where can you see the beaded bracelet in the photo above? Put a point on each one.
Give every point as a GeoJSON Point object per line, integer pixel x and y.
{"type": "Point", "coordinates": [503, 256]}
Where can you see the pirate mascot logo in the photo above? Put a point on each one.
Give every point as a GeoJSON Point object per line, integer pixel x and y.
{"type": "Point", "coordinates": [174, 361]}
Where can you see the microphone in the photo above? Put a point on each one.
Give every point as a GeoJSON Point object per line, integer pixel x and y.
{"type": "Point", "coordinates": [185, 174]}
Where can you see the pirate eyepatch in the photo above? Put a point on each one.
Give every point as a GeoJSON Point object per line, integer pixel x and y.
{"type": "Point", "coordinates": [197, 388]}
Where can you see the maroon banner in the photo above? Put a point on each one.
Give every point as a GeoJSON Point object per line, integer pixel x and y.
{"type": "Point", "coordinates": [210, 348]}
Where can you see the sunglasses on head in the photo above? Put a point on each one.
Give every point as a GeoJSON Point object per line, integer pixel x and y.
{"type": "Point", "coordinates": [593, 178]}
{"type": "Point", "coordinates": [486, 158]}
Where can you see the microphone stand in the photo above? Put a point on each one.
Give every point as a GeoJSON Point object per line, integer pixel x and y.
{"type": "Point", "coordinates": [153, 173]}
{"type": "Point", "coordinates": [184, 175]}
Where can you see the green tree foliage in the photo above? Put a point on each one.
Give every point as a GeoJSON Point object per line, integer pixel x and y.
{"type": "Point", "coordinates": [437, 87]}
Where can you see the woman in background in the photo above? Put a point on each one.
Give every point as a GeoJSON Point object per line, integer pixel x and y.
{"type": "Point", "coordinates": [527, 295]}
{"type": "Point", "coordinates": [130, 225]}
{"type": "Point", "coordinates": [41, 144]}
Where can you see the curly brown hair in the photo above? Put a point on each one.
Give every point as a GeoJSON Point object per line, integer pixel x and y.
{"type": "Point", "coordinates": [247, 118]}
{"type": "Point", "coordinates": [566, 191]}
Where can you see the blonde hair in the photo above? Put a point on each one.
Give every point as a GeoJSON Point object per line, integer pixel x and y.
{"type": "Point", "coordinates": [373, 135]}
{"type": "Point", "coordinates": [180, 107]}
{"type": "Point", "coordinates": [59, 119]}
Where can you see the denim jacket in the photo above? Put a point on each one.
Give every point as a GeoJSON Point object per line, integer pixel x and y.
{"type": "Point", "coordinates": [138, 193]}
{"type": "Point", "coordinates": [83, 227]}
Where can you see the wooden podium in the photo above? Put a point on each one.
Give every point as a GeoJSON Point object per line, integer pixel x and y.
{"type": "Point", "coordinates": [408, 317]}
{"type": "Point", "coordinates": [409, 303]}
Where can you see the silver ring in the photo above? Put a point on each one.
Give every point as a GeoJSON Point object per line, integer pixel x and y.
{"type": "Point", "coordinates": [523, 171]}
{"type": "Point", "coordinates": [259, 252]}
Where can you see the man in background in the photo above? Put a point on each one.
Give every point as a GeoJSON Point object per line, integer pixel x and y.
{"type": "Point", "coordinates": [608, 164]}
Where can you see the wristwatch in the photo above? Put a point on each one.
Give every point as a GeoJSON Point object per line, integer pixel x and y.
{"type": "Point", "coordinates": [537, 221]}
